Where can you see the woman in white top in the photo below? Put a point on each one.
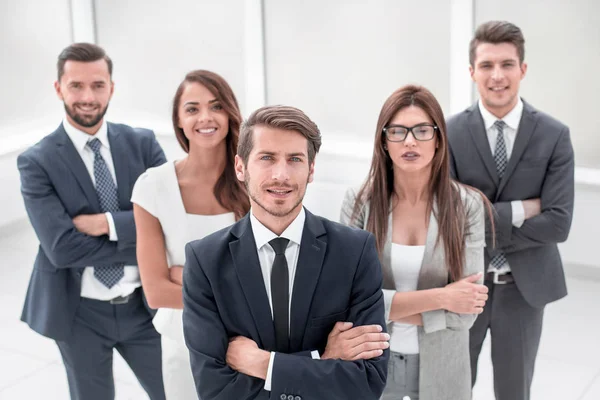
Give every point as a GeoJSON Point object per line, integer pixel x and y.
{"type": "Point", "coordinates": [430, 233]}
{"type": "Point", "coordinates": [186, 200]}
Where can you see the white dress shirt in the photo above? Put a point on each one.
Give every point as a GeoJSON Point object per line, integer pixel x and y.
{"type": "Point", "coordinates": [266, 257]}
{"type": "Point", "coordinates": [90, 286]}
{"type": "Point", "coordinates": [512, 120]}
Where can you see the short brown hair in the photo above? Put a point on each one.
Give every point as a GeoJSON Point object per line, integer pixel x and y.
{"type": "Point", "coordinates": [497, 32]}
{"type": "Point", "coordinates": [83, 52]}
{"type": "Point", "coordinates": [280, 117]}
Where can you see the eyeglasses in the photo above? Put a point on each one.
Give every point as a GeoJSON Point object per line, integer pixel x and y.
{"type": "Point", "coordinates": [398, 133]}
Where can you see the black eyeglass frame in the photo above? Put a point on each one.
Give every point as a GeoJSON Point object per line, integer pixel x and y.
{"type": "Point", "coordinates": [410, 130]}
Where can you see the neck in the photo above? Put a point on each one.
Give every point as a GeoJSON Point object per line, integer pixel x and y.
{"type": "Point", "coordinates": [501, 112]}
{"type": "Point", "coordinates": [89, 130]}
{"type": "Point", "coordinates": [275, 224]}
{"type": "Point", "coordinates": [203, 164]}
{"type": "Point", "coordinates": [412, 187]}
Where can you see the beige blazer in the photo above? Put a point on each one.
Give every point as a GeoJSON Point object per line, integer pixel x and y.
{"type": "Point", "coordinates": [445, 371]}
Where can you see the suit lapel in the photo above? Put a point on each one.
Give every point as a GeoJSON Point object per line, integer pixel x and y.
{"type": "Point", "coordinates": [245, 258]}
{"type": "Point", "coordinates": [71, 157]}
{"type": "Point", "coordinates": [121, 163]}
{"type": "Point", "coordinates": [308, 270]}
{"type": "Point", "coordinates": [477, 130]}
{"type": "Point", "coordinates": [526, 127]}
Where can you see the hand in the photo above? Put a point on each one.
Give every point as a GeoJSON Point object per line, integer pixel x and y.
{"type": "Point", "coordinates": [532, 207]}
{"type": "Point", "coordinates": [243, 355]}
{"type": "Point", "coordinates": [465, 296]}
{"type": "Point", "coordinates": [360, 343]}
{"type": "Point", "coordinates": [91, 224]}
{"type": "Point", "coordinates": [176, 274]}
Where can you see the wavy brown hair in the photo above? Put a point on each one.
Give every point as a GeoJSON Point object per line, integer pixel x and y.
{"type": "Point", "coordinates": [378, 189]}
{"type": "Point", "coordinates": [229, 191]}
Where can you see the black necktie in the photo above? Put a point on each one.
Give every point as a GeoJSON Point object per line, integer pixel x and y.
{"type": "Point", "coordinates": [280, 296]}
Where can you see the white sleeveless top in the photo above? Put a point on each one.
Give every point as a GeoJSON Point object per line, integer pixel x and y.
{"type": "Point", "coordinates": [157, 191]}
{"type": "Point", "coordinates": [406, 266]}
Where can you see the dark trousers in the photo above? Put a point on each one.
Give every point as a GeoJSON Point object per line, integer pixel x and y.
{"type": "Point", "coordinates": [516, 328]}
{"type": "Point", "coordinates": [101, 327]}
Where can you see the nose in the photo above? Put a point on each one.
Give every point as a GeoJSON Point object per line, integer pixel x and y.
{"type": "Point", "coordinates": [280, 171]}
{"type": "Point", "coordinates": [410, 139]}
{"type": "Point", "coordinates": [497, 73]}
{"type": "Point", "coordinates": [88, 95]}
{"type": "Point", "coordinates": [204, 115]}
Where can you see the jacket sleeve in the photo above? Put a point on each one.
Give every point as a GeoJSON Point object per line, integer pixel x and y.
{"type": "Point", "coordinates": [207, 341]}
{"type": "Point", "coordinates": [474, 262]}
{"type": "Point", "coordinates": [62, 243]}
{"type": "Point", "coordinates": [338, 379]}
{"type": "Point", "coordinates": [552, 225]}
{"type": "Point", "coordinates": [348, 209]}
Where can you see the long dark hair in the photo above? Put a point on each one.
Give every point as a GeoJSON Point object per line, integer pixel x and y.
{"type": "Point", "coordinates": [229, 191]}
{"type": "Point", "coordinates": [451, 214]}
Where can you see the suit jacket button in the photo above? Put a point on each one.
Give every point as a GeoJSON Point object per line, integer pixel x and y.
{"type": "Point", "coordinates": [297, 398]}
{"type": "Point", "coordinates": [283, 397]}
{"type": "Point", "coordinates": [290, 397]}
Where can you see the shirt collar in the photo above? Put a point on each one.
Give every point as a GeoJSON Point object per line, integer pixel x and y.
{"type": "Point", "coordinates": [80, 138]}
{"type": "Point", "coordinates": [511, 119]}
{"type": "Point", "coordinates": [263, 235]}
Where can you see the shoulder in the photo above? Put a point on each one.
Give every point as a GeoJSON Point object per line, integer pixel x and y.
{"type": "Point", "coordinates": [546, 122]}
{"type": "Point", "coordinates": [460, 119]}
{"type": "Point", "coordinates": [210, 249]}
{"type": "Point", "coordinates": [46, 146]}
{"type": "Point", "coordinates": [157, 174]}
{"type": "Point", "coordinates": [133, 135]}
{"type": "Point", "coordinates": [347, 234]}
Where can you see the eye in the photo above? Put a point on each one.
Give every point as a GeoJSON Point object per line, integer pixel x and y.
{"type": "Point", "coordinates": [266, 158]}
{"type": "Point", "coordinates": [296, 159]}
{"type": "Point", "coordinates": [217, 107]}
{"type": "Point", "coordinates": [191, 110]}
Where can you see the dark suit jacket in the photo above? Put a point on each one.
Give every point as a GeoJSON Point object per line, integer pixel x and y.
{"type": "Point", "coordinates": [338, 278]}
{"type": "Point", "coordinates": [56, 187]}
{"type": "Point", "coordinates": [541, 166]}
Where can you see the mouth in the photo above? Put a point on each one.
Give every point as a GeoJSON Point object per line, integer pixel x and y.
{"type": "Point", "coordinates": [498, 89]}
{"type": "Point", "coordinates": [279, 192]}
{"type": "Point", "coordinates": [206, 131]}
{"type": "Point", "coordinates": [86, 109]}
{"type": "Point", "coordinates": [410, 156]}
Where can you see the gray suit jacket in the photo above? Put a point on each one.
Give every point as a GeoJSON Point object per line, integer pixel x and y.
{"type": "Point", "coordinates": [541, 166]}
{"type": "Point", "coordinates": [445, 369]}
{"type": "Point", "coordinates": [56, 187]}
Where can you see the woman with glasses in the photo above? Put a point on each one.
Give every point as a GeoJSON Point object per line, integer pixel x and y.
{"type": "Point", "coordinates": [430, 233]}
{"type": "Point", "coordinates": [186, 200]}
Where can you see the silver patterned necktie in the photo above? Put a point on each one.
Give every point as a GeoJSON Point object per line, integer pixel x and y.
{"type": "Point", "coordinates": [501, 159]}
{"type": "Point", "coordinates": [108, 198]}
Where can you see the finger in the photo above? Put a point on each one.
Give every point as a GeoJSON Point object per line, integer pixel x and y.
{"type": "Point", "coordinates": [482, 288]}
{"type": "Point", "coordinates": [361, 330]}
{"type": "Point", "coordinates": [482, 297]}
{"type": "Point", "coordinates": [370, 337]}
{"type": "Point", "coordinates": [340, 327]}
{"type": "Point", "coordinates": [473, 278]}
{"type": "Point", "coordinates": [368, 346]}
{"type": "Point", "coordinates": [367, 355]}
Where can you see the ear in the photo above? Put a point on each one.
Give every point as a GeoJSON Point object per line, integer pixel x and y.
{"type": "Point", "coordinates": [58, 91]}
{"type": "Point", "coordinates": [112, 89]}
{"type": "Point", "coordinates": [311, 172]}
{"type": "Point", "coordinates": [471, 72]}
{"type": "Point", "coordinates": [239, 169]}
{"type": "Point", "coordinates": [523, 69]}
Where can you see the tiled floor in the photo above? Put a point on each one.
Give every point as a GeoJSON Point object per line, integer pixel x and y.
{"type": "Point", "coordinates": [568, 366]}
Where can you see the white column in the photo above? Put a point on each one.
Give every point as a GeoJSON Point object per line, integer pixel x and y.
{"type": "Point", "coordinates": [83, 21]}
{"type": "Point", "coordinates": [462, 19]}
{"type": "Point", "coordinates": [254, 56]}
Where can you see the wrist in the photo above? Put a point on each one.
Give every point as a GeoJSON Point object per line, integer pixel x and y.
{"type": "Point", "coordinates": [105, 226]}
{"type": "Point", "coordinates": [262, 364]}
{"type": "Point", "coordinates": [441, 298]}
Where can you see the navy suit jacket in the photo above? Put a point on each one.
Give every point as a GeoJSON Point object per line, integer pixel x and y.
{"type": "Point", "coordinates": [338, 278]}
{"type": "Point", "coordinates": [56, 187]}
{"type": "Point", "coordinates": [541, 166]}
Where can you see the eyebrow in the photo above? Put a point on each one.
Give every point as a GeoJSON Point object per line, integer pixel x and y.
{"type": "Point", "coordinates": [272, 153]}
{"type": "Point", "coordinates": [195, 103]}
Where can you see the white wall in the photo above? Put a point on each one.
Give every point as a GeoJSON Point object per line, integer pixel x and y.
{"type": "Point", "coordinates": [562, 49]}
{"type": "Point", "coordinates": [339, 60]}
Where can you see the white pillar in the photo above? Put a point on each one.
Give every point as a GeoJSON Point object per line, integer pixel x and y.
{"type": "Point", "coordinates": [254, 55]}
{"type": "Point", "coordinates": [83, 21]}
{"type": "Point", "coordinates": [462, 19]}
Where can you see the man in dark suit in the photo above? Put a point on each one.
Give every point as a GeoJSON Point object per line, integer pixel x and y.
{"type": "Point", "coordinates": [261, 297]}
{"type": "Point", "coordinates": [85, 289]}
{"type": "Point", "coordinates": [522, 160]}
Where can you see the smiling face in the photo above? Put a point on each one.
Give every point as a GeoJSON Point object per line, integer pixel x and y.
{"type": "Point", "coordinates": [85, 89]}
{"type": "Point", "coordinates": [202, 117]}
{"type": "Point", "coordinates": [497, 72]}
{"type": "Point", "coordinates": [411, 155]}
{"type": "Point", "coordinates": [276, 173]}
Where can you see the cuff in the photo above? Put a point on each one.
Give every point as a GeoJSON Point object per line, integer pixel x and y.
{"type": "Point", "coordinates": [112, 231]}
{"type": "Point", "coordinates": [388, 298]}
{"type": "Point", "coordinates": [270, 372]}
{"type": "Point", "coordinates": [434, 320]}
{"type": "Point", "coordinates": [315, 355]}
{"type": "Point", "coordinates": [518, 213]}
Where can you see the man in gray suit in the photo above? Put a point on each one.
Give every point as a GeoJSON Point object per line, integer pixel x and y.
{"type": "Point", "coordinates": [522, 160]}
{"type": "Point", "coordinates": [85, 290]}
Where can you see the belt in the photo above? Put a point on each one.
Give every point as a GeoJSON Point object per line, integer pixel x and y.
{"type": "Point", "coordinates": [500, 279]}
{"type": "Point", "coordinates": [124, 299]}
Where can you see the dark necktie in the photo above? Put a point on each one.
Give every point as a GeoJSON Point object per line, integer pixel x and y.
{"type": "Point", "coordinates": [280, 296]}
{"type": "Point", "coordinates": [108, 198]}
{"type": "Point", "coordinates": [501, 159]}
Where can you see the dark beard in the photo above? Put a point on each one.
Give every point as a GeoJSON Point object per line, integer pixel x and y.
{"type": "Point", "coordinates": [86, 123]}
{"type": "Point", "coordinates": [256, 200]}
